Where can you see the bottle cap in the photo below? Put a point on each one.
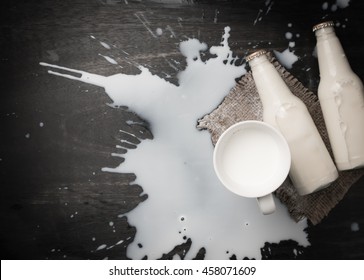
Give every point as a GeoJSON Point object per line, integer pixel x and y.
{"type": "Point", "coordinates": [255, 54]}
{"type": "Point", "coordinates": [323, 25]}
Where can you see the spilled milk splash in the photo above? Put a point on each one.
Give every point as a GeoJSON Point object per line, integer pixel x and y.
{"type": "Point", "coordinates": [185, 198]}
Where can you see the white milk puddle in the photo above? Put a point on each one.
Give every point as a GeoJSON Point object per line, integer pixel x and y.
{"type": "Point", "coordinates": [185, 198]}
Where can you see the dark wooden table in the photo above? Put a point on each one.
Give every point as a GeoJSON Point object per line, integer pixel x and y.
{"type": "Point", "coordinates": [39, 175]}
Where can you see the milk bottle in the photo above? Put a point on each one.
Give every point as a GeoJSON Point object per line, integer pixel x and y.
{"type": "Point", "coordinates": [312, 167]}
{"type": "Point", "coordinates": [341, 96]}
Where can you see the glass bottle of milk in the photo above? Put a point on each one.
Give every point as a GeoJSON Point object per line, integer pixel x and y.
{"type": "Point", "coordinates": [312, 168]}
{"type": "Point", "coordinates": [341, 97]}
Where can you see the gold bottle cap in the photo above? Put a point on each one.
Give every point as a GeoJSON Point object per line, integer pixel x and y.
{"type": "Point", "coordinates": [255, 54]}
{"type": "Point", "coordinates": [323, 25]}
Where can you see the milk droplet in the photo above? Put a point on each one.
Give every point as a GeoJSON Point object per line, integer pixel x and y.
{"type": "Point", "coordinates": [111, 224]}
{"type": "Point", "coordinates": [176, 257]}
{"type": "Point", "coordinates": [175, 168]}
{"type": "Point", "coordinates": [286, 58]}
{"type": "Point", "coordinates": [27, 135]}
{"type": "Point", "coordinates": [325, 5]}
{"type": "Point", "coordinates": [106, 46]}
{"type": "Point", "coordinates": [159, 31]}
{"type": "Point", "coordinates": [342, 3]}
{"type": "Point", "coordinates": [119, 242]}
{"type": "Point", "coordinates": [103, 246]}
{"type": "Point", "coordinates": [354, 227]}
{"type": "Point", "coordinates": [41, 124]}
{"type": "Point", "coordinates": [288, 35]}
{"type": "Point", "coordinates": [109, 59]}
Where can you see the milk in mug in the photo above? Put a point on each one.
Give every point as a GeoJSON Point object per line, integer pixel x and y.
{"type": "Point", "coordinates": [341, 97]}
{"type": "Point", "coordinates": [312, 167]}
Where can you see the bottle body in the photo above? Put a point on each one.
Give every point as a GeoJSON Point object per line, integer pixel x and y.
{"type": "Point", "coordinates": [341, 96]}
{"type": "Point", "coordinates": [311, 166]}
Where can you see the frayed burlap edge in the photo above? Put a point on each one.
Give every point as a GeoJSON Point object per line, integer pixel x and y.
{"type": "Point", "coordinates": [243, 103]}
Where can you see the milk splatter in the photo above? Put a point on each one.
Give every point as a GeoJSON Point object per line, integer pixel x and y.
{"type": "Point", "coordinates": [342, 3]}
{"type": "Point", "coordinates": [286, 58]}
{"type": "Point", "coordinates": [159, 31]}
{"type": "Point", "coordinates": [140, 16]}
{"type": "Point", "coordinates": [105, 45]}
{"type": "Point", "coordinates": [186, 201]}
{"type": "Point", "coordinates": [173, 35]}
{"type": "Point", "coordinates": [288, 35]}
{"type": "Point", "coordinates": [354, 226]}
{"type": "Point", "coordinates": [109, 59]}
{"type": "Point", "coordinates": [264, 11]}
{"type": "Point", "coordinates": [216, 15]}
{"type": "Point", "coordinates": [101, 247]}
{"type": "Point", "coordinates": [339, 4]}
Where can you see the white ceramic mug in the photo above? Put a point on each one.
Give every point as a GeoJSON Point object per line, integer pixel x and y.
{"type": "Point", "coordinates": [252, 159]}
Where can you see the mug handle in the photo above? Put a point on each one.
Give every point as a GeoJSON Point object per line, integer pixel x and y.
{"type": "Point", "coordinates": [266, 204]}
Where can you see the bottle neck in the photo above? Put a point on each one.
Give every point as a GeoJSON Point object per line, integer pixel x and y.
{"type": "Point", "coordinates": [331, 56]}
{"type": "Point", "coordinates": [270, 85]}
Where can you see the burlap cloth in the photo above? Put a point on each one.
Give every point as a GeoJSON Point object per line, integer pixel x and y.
{"type": "Point", "coordinates": [243, 103]}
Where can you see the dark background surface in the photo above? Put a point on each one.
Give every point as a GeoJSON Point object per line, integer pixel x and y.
{"type": "Point", "coordinates": [48, 177]}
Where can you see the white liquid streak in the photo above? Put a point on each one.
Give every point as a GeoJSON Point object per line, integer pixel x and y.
{"type": "Point", "coordinates": [109, 59]}
{"type": "Point", "coordinates": [106, 46]}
